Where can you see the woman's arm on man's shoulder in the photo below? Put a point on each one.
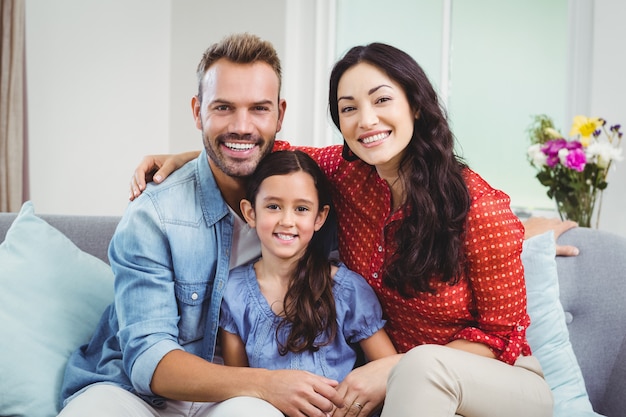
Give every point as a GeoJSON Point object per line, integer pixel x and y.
{"type": "Point", "coordinates": [158, 167]}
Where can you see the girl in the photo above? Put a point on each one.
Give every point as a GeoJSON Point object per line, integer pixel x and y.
{"type": "Point", "coordinates": [292, 308]}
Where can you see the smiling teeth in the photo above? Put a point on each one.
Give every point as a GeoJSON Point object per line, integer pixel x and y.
{"type": "Point", "coordinates": [239, 146]}
{"type": "Point", "coordinates": [285, 237]}
{"type": "Point", "coordinates": [374, 138]}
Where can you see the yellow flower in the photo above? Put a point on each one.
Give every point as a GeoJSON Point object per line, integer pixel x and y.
{"type": "Point", "coordinates": [585, 126]}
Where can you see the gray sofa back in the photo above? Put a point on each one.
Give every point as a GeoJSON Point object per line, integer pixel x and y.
{"type": "Point", "coordinates": [91, 234]}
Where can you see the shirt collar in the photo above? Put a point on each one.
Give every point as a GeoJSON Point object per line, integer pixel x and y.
{"type": "Point", "coordinates": [213, 205]}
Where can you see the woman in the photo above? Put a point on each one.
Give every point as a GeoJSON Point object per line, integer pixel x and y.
{"type": "Point", "coordinates": [439, 246]}
{"type": "Point", "coordinates": [451, 270]}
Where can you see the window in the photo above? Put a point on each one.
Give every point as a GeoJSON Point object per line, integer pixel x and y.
{"type": "Point", "coordinates": [495, 64]}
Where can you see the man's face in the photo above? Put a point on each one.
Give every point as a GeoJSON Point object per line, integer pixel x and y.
{"type": "Point", "coordinates": [239, 115]}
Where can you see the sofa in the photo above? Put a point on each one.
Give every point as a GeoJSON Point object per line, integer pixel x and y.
{"type": "Point", "coordinates": [579, 298]}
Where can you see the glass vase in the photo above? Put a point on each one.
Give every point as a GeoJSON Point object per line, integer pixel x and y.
{"type": "Point", "coordinates": [578, 207]}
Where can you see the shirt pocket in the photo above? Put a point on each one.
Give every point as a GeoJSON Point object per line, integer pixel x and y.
{"type": "Point", "coordinates": [193, 306]}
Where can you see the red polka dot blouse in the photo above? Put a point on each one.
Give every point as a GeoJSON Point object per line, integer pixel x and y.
{"type": "Point", "coordinates": [488, 305]}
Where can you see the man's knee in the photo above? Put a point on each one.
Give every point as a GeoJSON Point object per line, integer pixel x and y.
{"type": "Point", "coordinates": [104, 400]}
{"type": "Point", "coordinates": [245, 406]}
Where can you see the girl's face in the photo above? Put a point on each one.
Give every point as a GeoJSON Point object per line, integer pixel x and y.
{"type": "Point", "coordinates": [375, 117]}
{"type": "Point", "coordinates": [286, 214]}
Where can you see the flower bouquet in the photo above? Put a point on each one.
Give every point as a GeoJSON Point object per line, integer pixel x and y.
{"type": "Point", "coordinates": [574, 170]}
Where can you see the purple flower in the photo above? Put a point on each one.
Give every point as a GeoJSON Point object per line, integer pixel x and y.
{"type": "Point", "coordinates": [553, 146]}
{"type": "Point", "coordinates": [616, 129]}
{"type": "Point", "coordinates": [576, 160]}
{"type": "Point", "coordinates": [573, 145]}
{"type": "Point", "coordinates": [568, 153]}
{"type": "Point", "coordinates": [551, 149]}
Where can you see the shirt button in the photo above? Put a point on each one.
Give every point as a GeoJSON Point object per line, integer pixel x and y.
{"type": "Point", "coordinates": [375, 274]}
{"type": "Point", "coordinates": [569, 317]}
{"type": "Point", "coordinates": [194, 296]}
{"type": "Point", "coordinates": [520, 328]}
{"type": "Point", "coordinates": [380, 249]}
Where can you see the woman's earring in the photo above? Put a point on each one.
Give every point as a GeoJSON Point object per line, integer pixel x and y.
{"type": "Point", "coordinates": [347, 153]}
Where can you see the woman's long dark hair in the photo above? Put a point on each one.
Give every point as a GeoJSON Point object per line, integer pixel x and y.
{"type": "Point", "coordinates": [430, 238]}
{"type": "Point", "coordinates": [309, 304]}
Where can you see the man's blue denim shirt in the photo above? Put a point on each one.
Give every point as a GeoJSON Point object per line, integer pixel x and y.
{"type": "Point", "coordinates": [170, 256]}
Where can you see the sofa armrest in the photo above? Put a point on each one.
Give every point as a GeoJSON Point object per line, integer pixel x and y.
{"type": "Point", "coordinates": [592, 290]}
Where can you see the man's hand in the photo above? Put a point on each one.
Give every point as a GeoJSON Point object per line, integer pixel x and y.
{"type": "Point", "coordinates": [301, 394]}
{"type": "Point", "coordinates": [538, 225]}
{"type": "Point", "coordinates": [183, 376]}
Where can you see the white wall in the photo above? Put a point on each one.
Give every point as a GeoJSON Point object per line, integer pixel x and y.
{"type": "Point", "coordinates": [109, 82]}
{"type": "Point", "coordinates": [98, 99]}
{"type": "Point", "coordinates": [498, 82]}
{"type": "Point", "coordinates": [195, 25]}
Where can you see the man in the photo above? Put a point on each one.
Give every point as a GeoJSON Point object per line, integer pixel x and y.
{"type": "Point", "coordinates": [153, 353]}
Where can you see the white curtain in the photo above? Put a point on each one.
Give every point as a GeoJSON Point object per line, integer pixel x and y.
{"type": "Point", "coordinates": [13, 167]}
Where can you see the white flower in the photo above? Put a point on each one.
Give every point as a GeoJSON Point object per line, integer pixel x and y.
{"type": "Point", "coordinates": [563, 152]}
{"type": "Point", "coordinates": [603, 153]}
{"type": "Point", "coordinates": [536, 156]}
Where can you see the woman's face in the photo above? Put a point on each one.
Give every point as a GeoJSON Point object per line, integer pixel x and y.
{"type": "Point", "coordinates": [375, 117]}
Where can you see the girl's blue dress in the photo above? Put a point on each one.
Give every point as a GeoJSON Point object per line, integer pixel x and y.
{"type": "Point", "coordinates": [246, 312]}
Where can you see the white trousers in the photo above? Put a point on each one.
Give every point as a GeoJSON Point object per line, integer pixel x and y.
{"type": "Point", "coordinates": [433, 381]}
{"type": "Point", "coordinates": [104, 400]}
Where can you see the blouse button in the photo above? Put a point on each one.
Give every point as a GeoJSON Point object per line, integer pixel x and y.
{"type": "Point", "coordinates": [520, 328]}
{"type": "Point", "coordinates": [194, 296]}
{"type": "Point", "coordinates": [375, 274]}
{"type": "Point", "coordinates": [380, 249]}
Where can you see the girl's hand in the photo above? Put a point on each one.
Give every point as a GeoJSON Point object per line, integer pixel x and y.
{"type": "Point", "coordinates": [364, 389]}
{"type": "Point", "coordinates": [156, 168]}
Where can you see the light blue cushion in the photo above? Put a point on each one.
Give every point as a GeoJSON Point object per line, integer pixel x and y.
{"type": "Point", "coordinates": [548, 335]}
{"type": "Point", "coordinates": [51, 297]}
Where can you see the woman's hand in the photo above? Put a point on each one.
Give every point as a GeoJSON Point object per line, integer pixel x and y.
{"type": "Point", "coordinates": [156, 168]}
{"type": "Point", "coordinates": [364, 389]}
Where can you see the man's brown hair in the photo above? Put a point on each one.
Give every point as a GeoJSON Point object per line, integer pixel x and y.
{"type": "Point", "coordinates": [240, 48]}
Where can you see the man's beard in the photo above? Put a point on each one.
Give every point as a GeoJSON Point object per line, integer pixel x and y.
{"type": "Point", "coordinates": [238, 168]}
